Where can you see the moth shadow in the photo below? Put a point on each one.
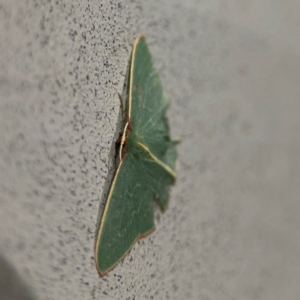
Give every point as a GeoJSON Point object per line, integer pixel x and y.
{"type": "Point", "coordinates": [12, 286]}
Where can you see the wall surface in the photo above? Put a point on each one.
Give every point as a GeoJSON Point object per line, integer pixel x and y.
{"type": "Point", "coordinates": [231, 70]}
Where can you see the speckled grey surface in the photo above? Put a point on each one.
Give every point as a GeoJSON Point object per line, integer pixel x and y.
{"type": "Point", "coordinates": [231, 70]}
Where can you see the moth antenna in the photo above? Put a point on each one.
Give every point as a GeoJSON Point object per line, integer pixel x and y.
{"type": "Point", "coordinates": [122, 106]}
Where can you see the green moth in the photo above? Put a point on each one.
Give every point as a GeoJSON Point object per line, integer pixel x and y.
{"type": "Point", "coordinates": [147, 164]}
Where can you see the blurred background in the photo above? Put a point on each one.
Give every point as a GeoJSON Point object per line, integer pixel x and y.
{"type": "Point", "coordinates": [231, 70]}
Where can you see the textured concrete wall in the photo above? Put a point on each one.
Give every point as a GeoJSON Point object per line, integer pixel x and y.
{"type": "Point", "coordinates": [231, 70]}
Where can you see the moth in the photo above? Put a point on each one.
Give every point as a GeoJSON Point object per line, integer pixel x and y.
{"type": "Point", "coordinates": [146, 169]}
